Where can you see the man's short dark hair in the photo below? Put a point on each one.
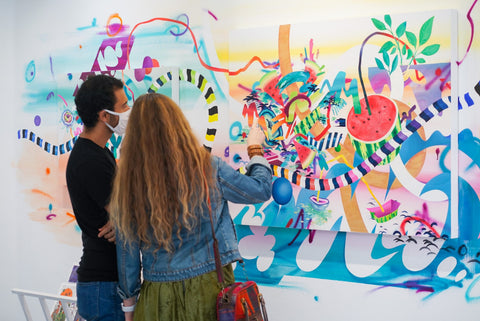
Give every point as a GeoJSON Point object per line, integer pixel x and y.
{"type": "Point", "coordinates": [95, 94]}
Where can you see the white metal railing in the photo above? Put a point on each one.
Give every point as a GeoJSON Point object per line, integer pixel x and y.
{"type": "Point", "coordinates": [42, 298]}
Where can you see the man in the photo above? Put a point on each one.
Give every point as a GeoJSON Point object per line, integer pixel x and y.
{"type": "Point", "coordinates": [102, 105]}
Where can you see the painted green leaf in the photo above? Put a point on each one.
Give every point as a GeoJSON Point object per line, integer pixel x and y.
{"type": "Point", "coordinates": [420, 60]}
{"type": "Point", "coordinates": [409, 53]}
{"type": "Point", "coordinates": [394, 64]}
{"type": "Point", "coordinates": [394, 50]}
{"type": "Point", "coordinates": [430, 50]}
{"type": "Point", "coordinates": [401, 29]}
{"type": "Point", "coordinates": [404, 49]}
{"type": "Point", "coordinates": [379, 64]}
{"type": "Point", "coordinates": [386, 46]}
{"type": "Point", "coordinates": [378, 24]}
{"type": "Point", "coordinates": [426, 31]}
{"type": "Point", "coordinates": [388, 20]}
{"type": "Point", "coordinates": [411, 38]}
{"type": "Point", "coordinates": [386, 58]}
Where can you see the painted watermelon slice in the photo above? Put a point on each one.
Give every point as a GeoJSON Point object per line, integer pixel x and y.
{"type": "Point", "coordinates": [305, 154]}
{"type": "Point", "coordinates": [371, 130]}
{"type": "Point", "coordinates": [314, 69]}
{"type": "Point", "coordinates": [376, 125]}
{"type": "Point", "coordinates": [269, 83]}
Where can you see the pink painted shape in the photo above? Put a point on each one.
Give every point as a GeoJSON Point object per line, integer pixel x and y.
{"type": "Point", "coordinates": [388, 208]}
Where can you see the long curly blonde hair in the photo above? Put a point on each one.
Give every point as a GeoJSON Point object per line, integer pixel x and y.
{"type": "Point", "coordinates": [163, 174]}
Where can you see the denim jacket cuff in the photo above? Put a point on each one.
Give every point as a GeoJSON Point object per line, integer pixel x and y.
{"type": "Point", "coordinates": [260, 161]}
{"type": "Point", "coordinates": [125, 296]}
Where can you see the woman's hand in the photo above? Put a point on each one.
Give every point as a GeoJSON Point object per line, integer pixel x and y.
{"type": "Point", "coordinates": [107, 231]}
{"type": "Point", "coordinates": [256, 135]}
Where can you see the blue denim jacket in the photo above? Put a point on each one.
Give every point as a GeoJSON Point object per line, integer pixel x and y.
{"type": "Point", "coordinates": [195, 255]}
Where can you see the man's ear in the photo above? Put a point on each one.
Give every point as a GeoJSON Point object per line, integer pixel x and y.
{"type": "Point", "coordinates": [103, 115]}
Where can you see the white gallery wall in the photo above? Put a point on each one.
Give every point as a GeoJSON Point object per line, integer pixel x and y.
{"type": "Point", "coordinates": [8, 238]}
{"type": "Point", "coordinates": [37, 257]}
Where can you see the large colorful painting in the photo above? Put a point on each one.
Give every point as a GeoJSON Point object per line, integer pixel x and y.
{"type": "Point", "coordinates": [385, 164]}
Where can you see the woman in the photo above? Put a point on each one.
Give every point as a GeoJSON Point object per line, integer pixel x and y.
{"type": "Point", "coordinates": [160, 209]}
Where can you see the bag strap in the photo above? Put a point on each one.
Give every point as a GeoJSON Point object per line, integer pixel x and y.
{"type": "Point", "coordinates": [216, 253]}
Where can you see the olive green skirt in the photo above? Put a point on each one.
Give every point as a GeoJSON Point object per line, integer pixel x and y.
{"type": "Point", "coordinates": [192, 299]}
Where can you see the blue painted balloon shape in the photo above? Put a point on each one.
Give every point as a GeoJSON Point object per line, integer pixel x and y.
{"type": "Point", "coordinates": [282, 191]}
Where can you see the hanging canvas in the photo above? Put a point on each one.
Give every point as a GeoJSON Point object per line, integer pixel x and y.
{"type": "Point", "coordinates": [385, 164]}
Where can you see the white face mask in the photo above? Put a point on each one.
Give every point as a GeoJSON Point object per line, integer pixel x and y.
{"type": "Point", "coordinates": [122, 121]}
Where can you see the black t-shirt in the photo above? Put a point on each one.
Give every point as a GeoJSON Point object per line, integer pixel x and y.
{"type": "Point", "coordinates": [90, 171]}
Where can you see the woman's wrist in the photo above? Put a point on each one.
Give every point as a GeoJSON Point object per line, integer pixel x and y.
{"type": "Point", "coordinates": [128, 308]}
{"type": "Point", "coordinates": [128, 305]}
{"type": "Point", "coordinates": [255, 150]}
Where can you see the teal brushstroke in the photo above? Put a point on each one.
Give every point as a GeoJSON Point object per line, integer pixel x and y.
{"type": "Point", "coordinates": [339, 84]}
{"type": "Point", "coordinates": [338, 223]}
{"type": "Point", "coordinates": [293, 77]}
{"type": "Point", "coordinates": [393, 273]}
